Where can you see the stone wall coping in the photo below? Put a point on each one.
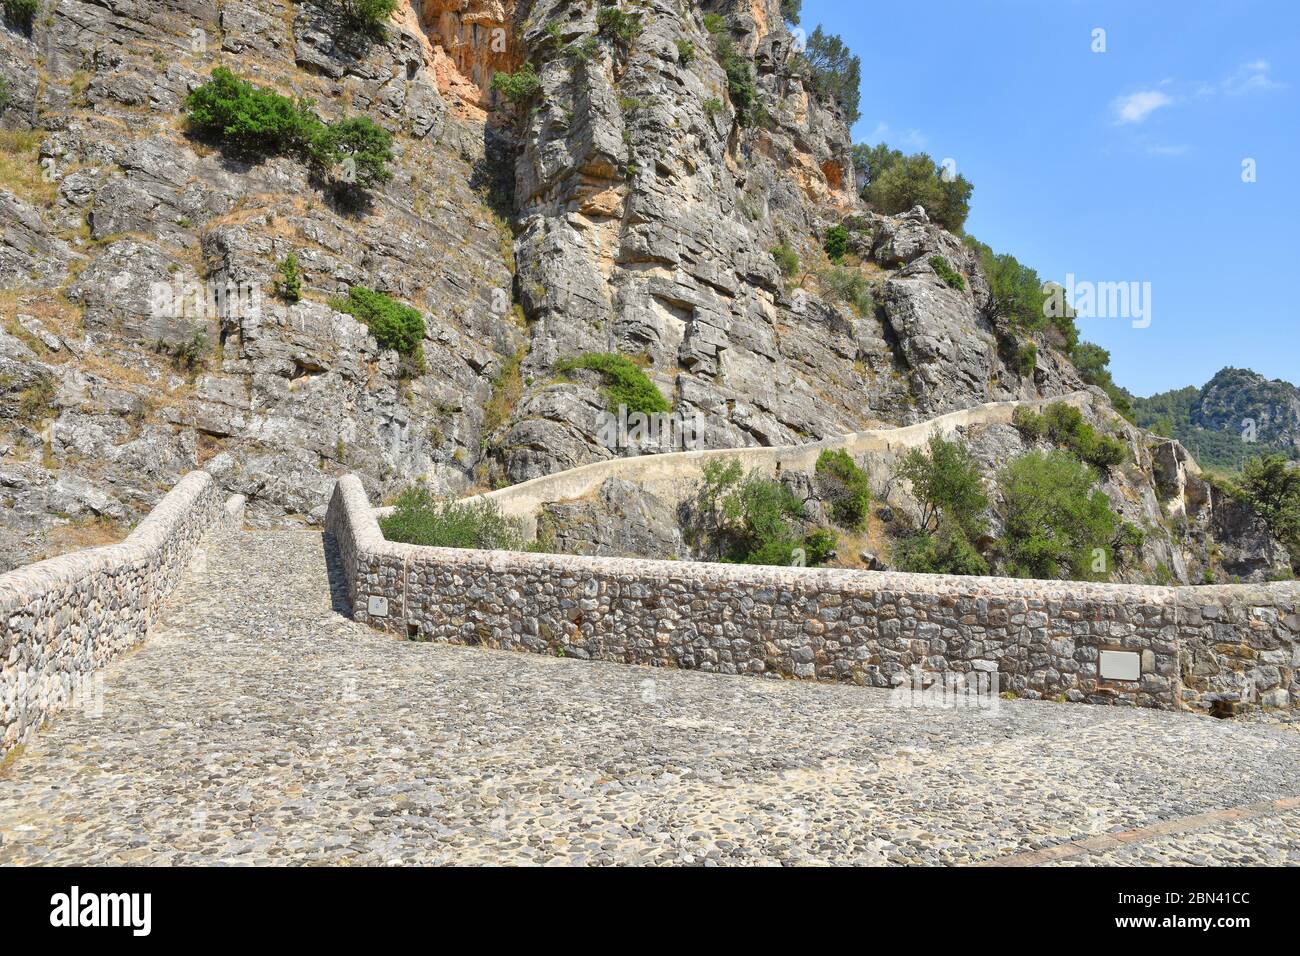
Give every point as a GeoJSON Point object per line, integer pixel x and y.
{"type": "Point", "coordinates": [21, 585]}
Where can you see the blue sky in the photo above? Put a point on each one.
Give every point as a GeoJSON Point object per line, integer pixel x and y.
{"type": "Point", "coordinates": [1117, 166]}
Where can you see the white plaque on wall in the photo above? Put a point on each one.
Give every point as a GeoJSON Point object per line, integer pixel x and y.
{"type": "Point", "coordinates": [1121, 665]}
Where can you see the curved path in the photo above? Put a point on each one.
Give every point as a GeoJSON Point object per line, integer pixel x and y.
{"type": "Point", "coordinates": [260, 725]}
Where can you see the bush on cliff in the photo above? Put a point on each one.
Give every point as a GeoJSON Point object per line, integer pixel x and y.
{"type": "Point", "coordinates": [625, 383]}
{"type": "Point", "coordinates": [893, 183]}
{"type": "Point", "coordinates": [740, 518]}
{"type": "Point", "coordinates": [845, 487]}
{"type": "Point", "coordinates": [257, 120]}
{"type": "Point", "coordinates": [394, 325]}
{"type": "Point", "coordinates": [1272, 486]}
{"type": "Point", "coordinates": [21, 13]}
{"type": "Point", "coordinates": [740, 74]}
{"type": "Point", "coordinates": [420, 518]}
{"type": "Point", "coordinates": [1057, 523]}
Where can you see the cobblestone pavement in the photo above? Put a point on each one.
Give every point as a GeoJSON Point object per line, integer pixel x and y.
{"type": "Point", "coordinates": [260, 725]}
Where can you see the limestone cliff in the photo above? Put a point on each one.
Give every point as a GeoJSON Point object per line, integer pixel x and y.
{"type": "Point", "coordinates": [629, 204]}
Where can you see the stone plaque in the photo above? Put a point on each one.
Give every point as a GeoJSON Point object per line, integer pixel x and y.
{"type": "Point", "coordinates": [1121, 665]}
{"type": "Point", "coordinates": [378, 606]}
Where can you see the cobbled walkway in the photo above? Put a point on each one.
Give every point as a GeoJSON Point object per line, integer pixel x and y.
{"type": "Point", "coordinates": [259, 725]}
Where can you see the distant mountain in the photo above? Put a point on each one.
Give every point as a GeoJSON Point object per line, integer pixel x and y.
{"type": "Point", "coordinates": [1236, 416]}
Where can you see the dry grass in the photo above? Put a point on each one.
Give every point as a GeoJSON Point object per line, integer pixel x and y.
{"type": "Point", "coordinates": [81, 534]}
{"type": "Point", "coordinates": [20, 167]}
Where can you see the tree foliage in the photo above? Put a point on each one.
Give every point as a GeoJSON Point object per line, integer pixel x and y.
{"type": "Point", "coordinates": [1057, 523]}
{"type": "Point", "coordinates": [945, 479]}
{"type": "Point", "coordinates": [845, 486]}
{"type": "Point", "coordinates": [893, 183]}
{"type": "Point", "coordinates": [1272, 484]}
{"type": "Point", "coordinates": [835, 72]}
{"type": "Point", "coordinates": [750, 519]}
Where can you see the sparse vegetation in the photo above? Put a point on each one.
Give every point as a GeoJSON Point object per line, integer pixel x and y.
{"type": "Point", "coordinates": [617, 24]}
{"type": "Point", "coordinates": [394, 325]}
{"type": "Point", "coordinates": [6, 98]}
{"type": "Point", "coordinates": [845, 487]}
{"type": "Point", "coordinates": [685, 52]}
{"type": "Point", "coordinates": [21, 13]}
{"type": "Point", "coordinates": [950, 276]}
{"type": "Point", "coordinates": [786, 260]}
{"type": "Point", "coordinates": [850, 287]}
{"type": "Point", "coordinates": [288, 281]}
{"type": "Point", "coordinates": [836, 243]}
{"type": "Point", "coordinates": [423, 519]}
{"type": "Point", "coordinates": [36, 403]}
{"type": "Point", "coordinates": [1063, 425]}
{"type": "Point", "coordinates": [260, 121]}
{"type": "Point", "coordinates": [520, 86]}
{"type": "Point", "coordinates": [740, 74]}
{"type": "Point", "coordinates": [625, 383]}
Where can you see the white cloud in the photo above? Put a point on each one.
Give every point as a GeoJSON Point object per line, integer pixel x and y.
{"type": "Point", "coordinates": [1136, 107]}
{"type": "Point", "coordinates": [912, 139]}
{"type": "Point", "coordinates": [1252, 77]}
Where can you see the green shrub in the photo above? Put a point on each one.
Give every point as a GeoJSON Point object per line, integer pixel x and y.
{"type": "Point", "coordinates": [394, 325]}
{"type": "Point", "coordinates": [836, 243]}
{"type": "Point", "coordinates": [740, 74]}
{"type": "Point", "coordinates": [517, 87]}
{"type": "Point", "coordinates": [6, 98]}
{"type": "Point", "coordinates": [625, 383]}
{"type": "Point", "coordinates": [950, 276]}
{"type": "Point", "coordinates": [361, 147]}
{"type": "Point", "coordinates": [21, 13]}
{"type": "Point", "coordinates": [893, 183]}
{"type": "Point", "coordinates": [947, 551]}
{"type": "Point", "coordinates": [850, 287]}
{"type": "Point", "coordinates": [1066, 428]}
{"type": "Point", "coordinates": [713, 105]}
{"type": "Point", "coordinates": [747, 519]}
{"type": "Point", "coordinates": [791, 10]}
{"type": "Point", "coordinates": [1093, 363]}
{"type": "Point", "coordinates": [685, 52]}
{"type": "Point", "coordinates": [288, 283]}
{"type": "Point", "coordinates": [1057, 524]}
{"type": "Point", "coordinates": [253, 119]}
{"type": "Point", "coordinates": [845, 487]}
{"type": "Point", "coordinates": [1029, 423]}
{"type": "Point", "coordinates": [422, 519]}
{"type": "Point", "coordinates": [1025, 359]}
{"type": "Point", "coordinates": [945, 479]}
{"type": "Point", "coordinates": [786, 260]}
{"type": "Point", "coordinates": [1272, 487]}
{"type": "Point", "coordinates": [622, 27]}
{"type": "Point", "coordinates": [366, 17]}
{"type": "Point", "coordinates": [250, 118]}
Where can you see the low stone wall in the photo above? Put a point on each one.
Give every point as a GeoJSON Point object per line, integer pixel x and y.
{"type": "Point", "coordinates": [63, 619]}
{"type": "Point", "coordinates": [1187, 647]}
{"type": "Point", "coordinates": [672, 477]}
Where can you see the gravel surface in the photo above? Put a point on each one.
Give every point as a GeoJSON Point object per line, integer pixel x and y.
{"type": "Point", "coordinates": [260, 725]}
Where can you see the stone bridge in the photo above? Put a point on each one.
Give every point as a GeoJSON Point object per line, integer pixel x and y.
{"type": "Point", "coordinates": [204, 693]}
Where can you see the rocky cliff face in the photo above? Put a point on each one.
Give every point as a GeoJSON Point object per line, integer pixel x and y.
{"type": "Point", "coordinates": [622, 208]}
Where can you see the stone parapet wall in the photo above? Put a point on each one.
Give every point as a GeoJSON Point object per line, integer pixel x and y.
{"type": "Point", "coordinates": [672, 477]}
{"type": "Point", "coordinates": [1189, 647]}
{"type": "Point", "coordinates": [63, 619]}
